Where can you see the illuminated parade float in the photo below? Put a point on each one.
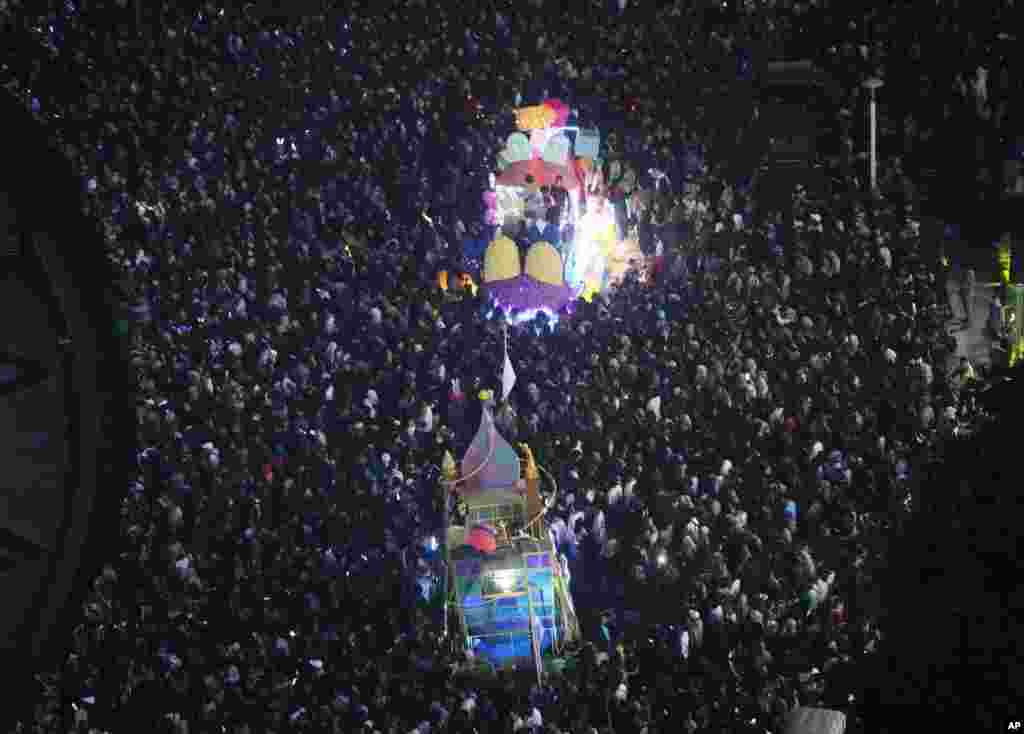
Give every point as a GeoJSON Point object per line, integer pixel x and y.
{"type": "Point", "coordinates": [548, 201]}
{"type": "Point", "coordinates": [511, 601]}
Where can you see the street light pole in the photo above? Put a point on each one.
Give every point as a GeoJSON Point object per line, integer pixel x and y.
{"type": "Point", "coordinates": [873, 84]}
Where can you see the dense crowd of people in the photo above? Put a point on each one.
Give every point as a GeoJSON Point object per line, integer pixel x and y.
{"type": "Point", "coordinates": [732, 438]}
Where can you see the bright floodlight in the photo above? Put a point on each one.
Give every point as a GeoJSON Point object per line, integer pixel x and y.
{"type": "Point", "coordinates": [505, 580]}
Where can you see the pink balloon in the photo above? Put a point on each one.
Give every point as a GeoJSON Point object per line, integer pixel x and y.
{"type": "Point", "coordinates": [538, 139]}
{"type": "Point", "coordinates": [491, 199]}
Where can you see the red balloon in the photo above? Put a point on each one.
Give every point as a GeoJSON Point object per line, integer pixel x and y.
{"type": "Point", "coordinates": [483, 538]}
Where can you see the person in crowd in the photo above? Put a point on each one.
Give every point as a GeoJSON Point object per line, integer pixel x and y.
{"type": "Point", "coordinates": [995, 323]}
{"type": "Point", "coordinates": [968, 284]}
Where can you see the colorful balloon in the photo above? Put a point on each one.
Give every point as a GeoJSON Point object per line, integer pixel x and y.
{"type": "Point", "coordinates": [557, 150]}
{"type": "Point", "coordinates": [560, 110]}
{"type": "Point", "coordinates": [483, 538]}
{"type": "Point", "coordinates": [588, 143]}
{"type": "Point", "coordinates": [535, 117]}
{"type": "Point", "coordinates": [538, 139]}
{"type": "Point", "coordinates": [517, 148]}
{"type": "Point", "coordinates": [501, 260]}
{"type": "Point", "coordinates": [544, 264]}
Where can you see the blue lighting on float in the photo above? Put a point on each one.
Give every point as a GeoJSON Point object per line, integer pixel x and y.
{"type": "Point", "coordinates": [524, 317]}
{"type": "Point", "coordinates": [528, 316]}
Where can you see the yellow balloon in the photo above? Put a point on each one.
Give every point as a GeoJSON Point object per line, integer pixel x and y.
{"type": "Point", "coordinates": [501, 260]}
{"type": "Point", "coordinates": [544, 264]}
{"type": "Point", "coordinates": [535, 118]}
